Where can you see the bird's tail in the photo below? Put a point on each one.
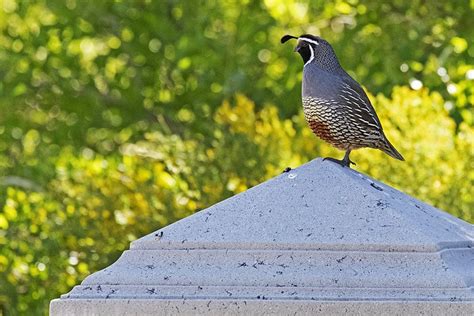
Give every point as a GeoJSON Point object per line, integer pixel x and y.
{"type": "Point", "coordinates": [388, 148]}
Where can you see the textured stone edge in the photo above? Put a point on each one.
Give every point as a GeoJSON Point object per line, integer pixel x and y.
{"type": "Point", "coordinates": [185, 245]}
{"type": "Point", "coordinates": [280, 293]}
{"type": "Point", "coordinates": [255, 307]}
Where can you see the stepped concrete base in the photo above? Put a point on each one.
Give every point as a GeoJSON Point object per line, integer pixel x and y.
{"type": "Point", "coordinates": [319, 239]}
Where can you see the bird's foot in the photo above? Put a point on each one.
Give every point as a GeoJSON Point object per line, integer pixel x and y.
{"type": "Point", "coordinates": [349, 162]}
{"type": "Point", "coordinates": [287, 169]}
{"type": "Point", "coordinates": [338, 161]}
{"type": "Point", "coordinates": [343, 162]}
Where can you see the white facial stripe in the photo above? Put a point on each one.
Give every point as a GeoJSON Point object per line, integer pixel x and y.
{"type": "Point", "coordinates": [312, 55]}
{"type": "Point", "coordinates": [309, 40]}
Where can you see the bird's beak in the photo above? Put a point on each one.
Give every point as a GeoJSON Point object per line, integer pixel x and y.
{"type": "Point", "coordinates": [297, 48]}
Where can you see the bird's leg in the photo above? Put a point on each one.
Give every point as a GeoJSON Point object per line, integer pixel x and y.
{"type": "Point", "coordinates": [345, 162]}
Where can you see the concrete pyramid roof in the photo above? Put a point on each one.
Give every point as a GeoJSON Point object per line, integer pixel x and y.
{"type": "Point", "coordinates": [320, 232]}
{"type": "Point", "coordinates": [317, 206]}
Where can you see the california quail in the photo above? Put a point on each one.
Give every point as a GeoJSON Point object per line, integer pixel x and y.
{"type": "Point", "coordinates": [335, 105]}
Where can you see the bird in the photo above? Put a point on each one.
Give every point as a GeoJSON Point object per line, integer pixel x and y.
{"type": "Point", "coordinates": [335, 106]}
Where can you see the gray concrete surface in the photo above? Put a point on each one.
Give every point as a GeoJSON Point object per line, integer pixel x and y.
{"type": "Point", "coordinates": [320, 238]}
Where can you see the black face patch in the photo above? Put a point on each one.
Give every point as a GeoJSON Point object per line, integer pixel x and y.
{"type": "Point", "coordinates": [305, 53]}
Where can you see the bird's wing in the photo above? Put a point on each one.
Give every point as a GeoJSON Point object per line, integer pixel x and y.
{"type": "Point", "coordinates": [358, 104]}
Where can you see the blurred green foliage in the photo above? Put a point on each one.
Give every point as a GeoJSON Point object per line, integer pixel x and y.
{"type": "Point", "coordinates": [120, 117]}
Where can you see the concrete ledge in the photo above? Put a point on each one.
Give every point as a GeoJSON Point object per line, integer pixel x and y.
{"type": "Point", "coordinates": [255, 307]}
